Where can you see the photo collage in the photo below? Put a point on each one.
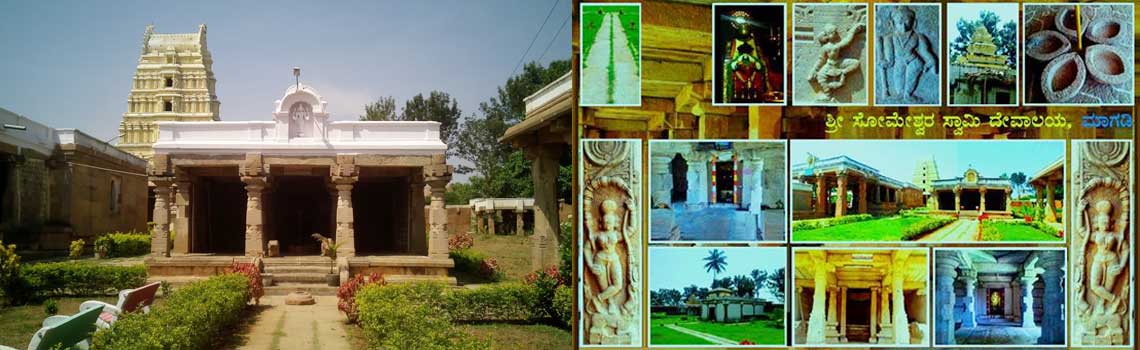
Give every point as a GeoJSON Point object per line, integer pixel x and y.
{"type": "Point", "coordinates": [855, 175]}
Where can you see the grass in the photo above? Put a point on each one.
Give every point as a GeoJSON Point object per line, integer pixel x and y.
{"type": "Point", "coordinates": [881, 229]}
{"type": "Point", "coordinates": [512, 252]}
{"type": "Point", "coordinates": [21, 322]}
{"type": "Point", "coordinates": [515, 336]}
{"type": "Point", "coordinates": [758, 331]}
{"type": "Point", "coordinates": [1019, 232]}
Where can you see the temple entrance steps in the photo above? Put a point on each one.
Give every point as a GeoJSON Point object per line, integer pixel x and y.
{"type": "Point", "coordinates": [305, 273]}
{"type": "Point", "coordinates": [858, 333]}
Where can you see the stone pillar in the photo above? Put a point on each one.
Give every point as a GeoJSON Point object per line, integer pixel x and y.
{"type": "Point", "coordinates": [944, 274]}
{"type": "Point", "coordinates": [886, 331]}
{"type": "Point", "coordinates": [982, 199]}
{"type": "Point", "coordinates": [182, 220]}
{"type": "Point", "coordinates": [902, 331]}
{"type": "Point", "coordinates": [957, 199]}
{"type": "Point", "coordinates": [1050, 215]}
{"type": "Point", "coordinates": [820, 196]}
{"type": "Point", "coordinates": [1027, 319]}
{"type": "Point", "coordinates": [254, 217]}
{"type": "Point", "coordinates": [662, 180]}
{"type": "Point", "coordinates": [874, 315]}
{"type": "Point", "coordinates": [831, 333]}
{"type": "Point", "coordinates": [437, 176]}
{"type": "Point", "coordinates": [862, 196]}
{"type": "Point", "coordinates": [519, 221]}
{"type": "Point", "coordinates": [816, 320]}
{"type": "Point", "coordinates": [160, 239]}
{"type": "Point", "coordinates": [492, 216]}
{"type": "Point", "coordinates": [1052, 324]}
{"type": "Point", "coordinates": [841, 195]}
{"type": "Point", "coordinates": [345, 221]}
{"type": "Point", "coordinates": [842, 314]}
{"type": "Point", "coordinates": [969, 281]}
{"type": "Point", "coordinates": [698, 171]}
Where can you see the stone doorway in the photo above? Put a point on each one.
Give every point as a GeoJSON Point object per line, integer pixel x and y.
{"type": "Point", "coordinates": [218, 211]}
{"type": "Point", "coordinates": [971, 199]}
{"type": "Point", "coordinates": [946, 201]}
{"type": "Point", "coordinates": [725, 188]}
{"type": "Point", "coordinates": [679, 169]}
{"type": "Point", "coordinates": [995, 200]}
{"type": "Point", "coordinates": [858, 316]}
{"type": "Point", "coordinates": [381, 209]}
{"type": "Point", "coordinates": [297, 206]}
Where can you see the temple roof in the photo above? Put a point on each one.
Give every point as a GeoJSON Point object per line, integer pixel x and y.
{"type": "Point", "coordinates": [844, 163]}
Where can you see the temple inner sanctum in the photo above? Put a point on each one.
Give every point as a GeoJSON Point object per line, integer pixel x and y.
{"type": "Point", "coordinates": [860, 297]}
{"type": "Point", "coordinates": [999, 296]}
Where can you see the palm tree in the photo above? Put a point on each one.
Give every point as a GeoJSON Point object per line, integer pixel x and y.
{"type": "Point", "coordinates": [715, 262]}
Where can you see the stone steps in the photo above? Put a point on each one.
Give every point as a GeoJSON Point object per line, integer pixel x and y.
{"type": "Point", "coordinates": [309, 278]}
{"type": "Point", "coordinates": [288, 269]}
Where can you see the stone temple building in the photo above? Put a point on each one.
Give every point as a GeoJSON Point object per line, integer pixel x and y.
{"type": "Point", "coordinates": [999, 296]}
{"type": "Point", "coordinates": [981, 76]}
{"type": "Point", "coordinates": [248, 188]}
{"type": "Point", "coordinates": [718, 191]}
{"type": "Point", "coordinates": [724, 307]}
{"type": "Point", "coordinates": [970, 195]}
{"type": "Point", "coordinates": [174, 81]}
{"type": "Point", "coordinates": [856, 188]}
{"type": "Point", "coordinates": [860, 297]}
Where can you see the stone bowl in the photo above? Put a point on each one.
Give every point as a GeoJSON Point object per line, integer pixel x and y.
{"type": "Point", "coordinates": [1046, 45]}
{"type": "Point", "coordinates": [299, 297]}
{"type": "Point", "coordinates": [1108, 64]}
{"type": "Point", "coordinates": [1063, 77]}
{"type": "Point", "coordinates": [1066, 22]}
{"type": "Point", "coordinates": [1108, 30]}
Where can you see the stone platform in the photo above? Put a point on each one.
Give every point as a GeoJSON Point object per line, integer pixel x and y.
{"type": "Point", "coordinates": [290, 271]}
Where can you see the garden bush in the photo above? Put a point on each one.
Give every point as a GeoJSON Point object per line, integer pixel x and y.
{"type": "Point", "coordinates": [821, 223]}
{"type": "Point", "coordinates": [76, 249]}
{"type": "Point", "coordinates": [1046, 228]}
{"type": "Point", "coordinates": [119, 244]}
{"type": "Point", "coordinates": [990, 233]}
{"type": "Point", "coordinates": [346, 294]}
{"type": "Point", "coordinates": [496, 302]}
{"type": "Point", "coordinates": [82, 278]}
{"type": "Point", "coordinates": [253, 274]}
{"type": "Point", "coordinates": [473, 263]}
{"type": "Point", "coordinates": [564, 304]}
{"type": "Point", "coordinates": [192, 317]}
{"type": "Point", "coordinates": [460, 241]}
{"type": "Point", "coordinates": [924, 226]}
{"type": "Point", "coordinates": [546, 281]}
{"type": "Point", "coordinates": [410, 316]}
{"type": "Point", "coordinates": [15, 287]}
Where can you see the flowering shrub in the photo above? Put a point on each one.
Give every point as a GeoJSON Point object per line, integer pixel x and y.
{"type": "Point", "coordinates": [489, 268]}
{"type": "Point", "coordinates": [470, 262]}
{"type": "Point", "coordinates": [459, 241]}
{"type": "Point", "coordinates": [746, 342]}
{"type": "Point", "coordinates": [346, 294]}
{"type": "Point", "coordinates": [253, 274]}
{"type": "Point", "coordinates": [546, 281]}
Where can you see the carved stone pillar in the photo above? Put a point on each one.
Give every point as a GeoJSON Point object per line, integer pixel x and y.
{"type": "Point", "coordinates": [519, 221]}
{"type": "Point", "coordinates": [254, 217]}
{"type": "Point", "coordinates": [886, 329]}
{"type": "Point", "coordinates": [437, 176]}
{"type": "Point", "coordinates": [345, 222]}
{"type": "Point", "coordinates": [957, 199]}
{"type": "Point", "coordinates": [821, 193]}
{"type": "Point", "coordinates": [1050, 214]}
{"type": "Point", "coordinates": [1027, 319]}
{"type": "Point", "coordinates": [841, 195]}
{"type": "Point", "coordinates": [902, 331]}
{"type": "Point", "coordinates": [982, 199]}
{"type": "Point", "coordinates": [1052, 324]}
{"type": "Point", "coordinates": [874, 315]}
{"type": "Point", "coordinates": [842, 314]}
{"type": "Point", "coordinates": [182, 220]}
{"type": "Point", "coordinates": [944, 274]}
{"type": "Point", "coordinates": [831, 333]}
{"type": "Point", "coordinates": [862, 196]}
{"type": "Point", "coordinates": [969, 281]}
{"type": "Point", "coordinates": [492, 217]}
{"type": "Point", "coordinates": [816, 322]}
{"type": "Point", "coordinates": [160, 239]}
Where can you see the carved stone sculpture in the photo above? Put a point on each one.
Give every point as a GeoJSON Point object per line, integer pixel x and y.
{"type": "Point", "coordinates": [907, 56]}
{"type": "Point", "coordinates": [1101, 241]}
{"type": "Point", "coordinates": [830, 45]}
{"type": "Point", "coordinates": [611, 243]}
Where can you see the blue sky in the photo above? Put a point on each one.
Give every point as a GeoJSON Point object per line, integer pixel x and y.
{"type": "Point", "coordinates": [897, 159]}
{"type": "Point", "coordinates": [680, 267]}
{"type": "Point", "coordinates": [972, 11]}
{"type": "Point", "coordinates": [69, 64]}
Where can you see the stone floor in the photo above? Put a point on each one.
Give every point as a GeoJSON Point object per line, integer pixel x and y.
{"type": "Point", "coordinates": [995, 331]}
{"type": "Point", "coordinates": [717, 223]}
{"type": "Point", "coordinates": [611, 71]}
{"type": "Point", "coordinates": [280, 326]}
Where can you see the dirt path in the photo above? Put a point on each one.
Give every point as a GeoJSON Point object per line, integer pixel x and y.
{"type": "Point", "coordinates": [611, 74]}
{"type": "Point", "coordinates": [963, 230]}
{"type": "Point", "coordinates": [319, 326]}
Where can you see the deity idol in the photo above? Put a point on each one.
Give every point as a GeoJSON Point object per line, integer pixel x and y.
{"type": "Point", "coordinates": [831, 70]}
{"type": "Point", "coordinates": [906, 56]}
{"type": "Point", "coordinates": [745, 67]}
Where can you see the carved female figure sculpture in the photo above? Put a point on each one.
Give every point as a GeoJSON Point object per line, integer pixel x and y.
{"type": "Point", "coordinates": [830, 72]}
{"type": "Point", "coordinates": [1107, 262]}
{"type": "Point", "coordinates": [906, 55]}
{"type": "Point", "coordinates": [612, 317]}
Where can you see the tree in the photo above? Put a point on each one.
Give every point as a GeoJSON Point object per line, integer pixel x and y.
{"type": "Point", "coordinates": [760, 277]}
{"type": "Point", "coordinates": [672, 297]}
{"type": "Point", "coordinates": [775, 284]}
{"type": "Point", "coordinates": [722, 283]}
{"type": "Point", "coordinates": [1018, 181]}
{"type": "Point", "coordinates": [715, 263]}
{"type": "Point", "coordinates": [1004, 35]}
{"type": "Point", "coordinates": [745, 286]}
{"type": "Point", "coordinates": [383, 109]}
{"type": "Point", "coordinates": [692, 290]}
{"type": "Point", "coordinates": [655, 298]}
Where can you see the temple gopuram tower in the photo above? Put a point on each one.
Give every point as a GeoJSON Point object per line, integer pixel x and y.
{"type": "Point", "coordinates": [174, 81]}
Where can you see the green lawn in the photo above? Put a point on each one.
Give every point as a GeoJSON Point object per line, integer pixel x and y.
{"type": "Point", "coordinates": [760, 331]}
{"type": "Point", "coordinates": [1020, 232]}
{"type": "Point", "coordinates": [21, 322]}
{"type": "Point", "coordinates": [881, 229]}
{"type": "Point", "coordinates": [517, 336]}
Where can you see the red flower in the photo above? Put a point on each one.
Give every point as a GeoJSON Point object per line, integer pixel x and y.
{"type": "Point", "coordinates": [746, 342]}
{"type": "Point", "coordinates": [253, 273]}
